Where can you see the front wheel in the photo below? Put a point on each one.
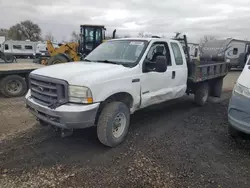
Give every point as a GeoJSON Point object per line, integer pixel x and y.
{"type": "Point", "coordinates": [234, 133]}
{"type": "Point", "coordinates": [113, 124]}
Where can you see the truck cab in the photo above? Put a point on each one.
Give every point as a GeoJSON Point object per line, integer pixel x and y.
{"type": "Point", "coordinates": [119, 77]}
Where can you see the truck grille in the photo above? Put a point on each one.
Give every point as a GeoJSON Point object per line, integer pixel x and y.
{"type": "Point", "coordinates": [48, 91]}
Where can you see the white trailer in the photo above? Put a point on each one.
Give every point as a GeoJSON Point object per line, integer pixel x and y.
{"type": "Point", "coordinates": [194, 50]}
{"type": "Point", "coordinates": [231, 50]}
{"type": "Point", "coordinates": [2, 39]}
{"type": "Point", "coordinates": [19, 49]}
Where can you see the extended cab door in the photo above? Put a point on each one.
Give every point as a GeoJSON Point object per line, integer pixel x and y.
{"type": "Point", "coordinates": [180, 69]}
{"type": "Point", "coordinates": [157, 87]}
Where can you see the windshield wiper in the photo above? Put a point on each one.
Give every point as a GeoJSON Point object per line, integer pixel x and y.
{"type": "Point", "coordinates": [87, 60]}
{"type": "Point", "coordinates": [107, 61]}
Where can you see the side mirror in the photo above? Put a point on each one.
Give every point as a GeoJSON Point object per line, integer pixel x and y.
{"type": "Point", "coordinates": [161, 64]}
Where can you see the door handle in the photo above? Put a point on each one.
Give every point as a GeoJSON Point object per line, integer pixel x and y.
{"type": "Point", "coordinates": [173, 74]}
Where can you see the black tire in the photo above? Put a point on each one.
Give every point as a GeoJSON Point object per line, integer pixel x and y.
{"type": "Point", "coordinates": [202, 94]}
{"type": "Point", "coordinates": [242, 59]}
{"type": "Point", "coordinates": [42, 123]}
{"type": "Point", "coordinates": [57, 59]}
{"type": "Point", "coordinates": [234, 133]}
{"type": "Point", "coordinates": [217, 87]}
{"type": "Point", "coordinates": [8, 58]}
{"type": "Point", "coordinates": [19, 90]}
{"type": "Point", "coordinates": [105, 123]}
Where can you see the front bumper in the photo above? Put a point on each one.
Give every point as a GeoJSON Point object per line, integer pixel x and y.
{"type": "Point", "coordinates": [68, 116]}
{"type": "Point", "coordinates": [239, 113]}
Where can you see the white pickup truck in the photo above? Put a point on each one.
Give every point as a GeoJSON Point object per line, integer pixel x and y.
{"type": "Point", "coordinates": [118, 78]}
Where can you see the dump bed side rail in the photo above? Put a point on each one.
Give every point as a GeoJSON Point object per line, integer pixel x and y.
{"type": "Point", "coordinates": [199, 73]}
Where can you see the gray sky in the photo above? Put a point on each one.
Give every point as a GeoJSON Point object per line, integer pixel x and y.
{"type": "Point", "coordinates": [222, 18]}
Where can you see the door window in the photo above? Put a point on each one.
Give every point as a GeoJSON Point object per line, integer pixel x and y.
{"type": "Point", "coordinates": [89, 33]}
{"type": "Point", "coordinates": [158, 49]}
{"type": "Point", "coordinates": [6, 47]}
{"type": "Point", "coordinates": [235, 51]}
{"type": "Point", "coordinates": [98, 35]}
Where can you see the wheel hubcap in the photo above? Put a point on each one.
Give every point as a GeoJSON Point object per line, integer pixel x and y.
{"type": "Point", "coordinates": [119, 125]}
{"type": "Point", "coordinates": [14, 86]}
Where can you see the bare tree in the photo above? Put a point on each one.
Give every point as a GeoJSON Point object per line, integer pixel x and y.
{"type": "Point", "coordinates": [126, 36]}
{"type": "Point", "coordinates": [75, 37]}
{"type": "Point", "coordinates": [25, 30]}
{"type": "Point", "coordinates": [49, 36]}
{"type": "Point", "coordinates": [3, 32]}
{"type": "Point", "coordinates": [144, 34]}
{"type": "Point", "coordinates": [141, 34]}
{"type": "Point", "coordinates": [205, 39]}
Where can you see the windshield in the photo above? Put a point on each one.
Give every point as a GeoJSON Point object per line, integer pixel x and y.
{"type": "Point", "coordinates": [118, 51]}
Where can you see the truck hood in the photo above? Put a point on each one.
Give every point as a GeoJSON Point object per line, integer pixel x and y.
{"type": "Point", "coordinates": [245, 77]}
{"type": "Point", "coordinates": [82, 73]}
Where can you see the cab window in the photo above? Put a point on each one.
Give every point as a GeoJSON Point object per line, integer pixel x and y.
{"type": "Point", "coordinates": [158, 49]}
{"type": "Point", "coordinates": [177, 53]}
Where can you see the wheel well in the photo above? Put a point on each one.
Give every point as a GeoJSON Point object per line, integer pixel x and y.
{"type": "Point", "coordinates": [124, 97]}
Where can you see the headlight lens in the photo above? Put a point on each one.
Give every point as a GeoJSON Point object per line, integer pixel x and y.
{"type": "Point", "coordinates": [80, 94]}
{"type": "Point", "coordinates": [239, 89]}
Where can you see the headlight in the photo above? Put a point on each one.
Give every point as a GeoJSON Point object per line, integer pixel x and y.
{"type": "Point", "coordinates": [239, 89]}
{"type": "Point", "coordinates": [80, 94]}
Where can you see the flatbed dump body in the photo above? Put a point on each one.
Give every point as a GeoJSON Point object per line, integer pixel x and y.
{"type": "Point", "coordinates": [7, 68]}
{"type": "Point", "coordinates": [199, 72]}
{"type": "Point", "coordinates": [14, 78]}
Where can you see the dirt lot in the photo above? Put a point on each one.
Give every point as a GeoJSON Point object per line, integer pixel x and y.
{"type": "Point", "coordinates": [171, 145]}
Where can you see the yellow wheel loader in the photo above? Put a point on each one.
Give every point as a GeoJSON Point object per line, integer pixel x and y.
{"type": "Point", "coordinates": [90, 37]}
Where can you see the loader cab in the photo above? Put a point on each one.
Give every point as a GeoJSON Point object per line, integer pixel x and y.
{"type": "Point", "coordinates": [90, 37]}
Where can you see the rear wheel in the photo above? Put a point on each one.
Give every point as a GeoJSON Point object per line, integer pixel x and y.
{"type": "Point", "coordinates": [13, 86]}
{"type": "Point", "coordinates": [113, 124]}
{"type": "Point", "coordinates": [202, 94]}
{"type": "Point", "coordinates": [57, 59]}
{"type": "Point", "coordinates": [217, 87]}
{"type": "Point", "coordinates": [8, 58]}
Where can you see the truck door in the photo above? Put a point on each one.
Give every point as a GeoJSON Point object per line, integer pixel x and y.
{"type": "Point", "coordinates": [179, 65]}
{"type": "Point", "coordinates": [156, 87]}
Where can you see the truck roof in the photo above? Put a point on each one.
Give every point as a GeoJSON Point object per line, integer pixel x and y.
{"type": "Point", "coordinates": [147, 39]}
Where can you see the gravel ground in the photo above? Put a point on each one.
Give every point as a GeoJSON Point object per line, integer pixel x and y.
{"type": "Point", "coordinates": [175, 144]}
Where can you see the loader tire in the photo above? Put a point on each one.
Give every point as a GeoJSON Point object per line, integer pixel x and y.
{"type": "Point", "coordinates": [242, 60]}
{"type": "Point", "coordinates": [57, 59]}
{"type": "Point", "coordinates": [202, 94]}
{"type": "Point", "coordinates": [13, 86]}
{"type": "Point", "coordinates": [113, 124]}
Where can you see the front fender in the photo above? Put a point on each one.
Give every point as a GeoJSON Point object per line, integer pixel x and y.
{"type": "Point", "coordinates": [110, 89]}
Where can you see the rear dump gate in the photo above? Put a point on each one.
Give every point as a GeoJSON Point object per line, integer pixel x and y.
{"type": "Point", "coordinates": [206, 79]}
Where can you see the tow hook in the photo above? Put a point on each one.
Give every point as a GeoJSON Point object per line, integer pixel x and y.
{"type": "Point", "coordinates": [66, 132]}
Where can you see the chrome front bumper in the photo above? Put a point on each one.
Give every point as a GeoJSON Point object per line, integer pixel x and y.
{"type": "Point", "coordinates": [68, 116]}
